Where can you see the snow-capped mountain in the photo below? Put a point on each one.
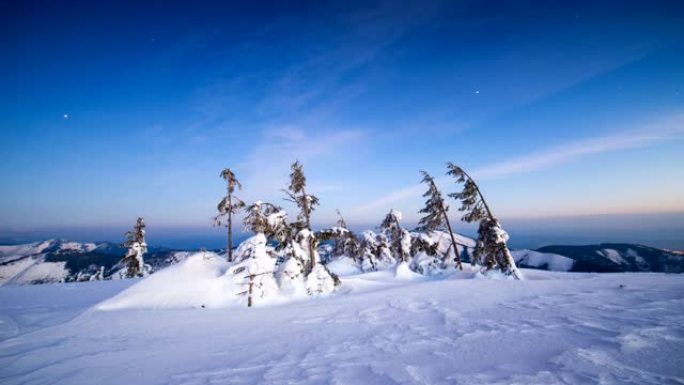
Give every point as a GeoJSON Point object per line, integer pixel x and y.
{"type": "Point", "coordinates": [602, 258]}
{"type": "Point", "coordinates": [63, 261]}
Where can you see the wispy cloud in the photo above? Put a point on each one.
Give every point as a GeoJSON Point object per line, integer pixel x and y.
{"type": "Point", "coordinates": [266, 168]}
{"type": "Point", "coordinates": [653, 133]}
{"type": "Point", "coordinates": [393, 197]}
{"type": "Point", "coordinates": [663, 130]}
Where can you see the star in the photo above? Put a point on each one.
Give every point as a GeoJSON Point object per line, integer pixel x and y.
{"type": "Point", "coordinates": [477, 92]}
{"type": "Point", "coordinates": [66, 116]}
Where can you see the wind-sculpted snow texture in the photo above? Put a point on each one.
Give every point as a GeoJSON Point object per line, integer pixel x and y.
{"type": "Point", "coordinates": [386, 327]}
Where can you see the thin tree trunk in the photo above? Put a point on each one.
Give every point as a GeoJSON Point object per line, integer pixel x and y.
{"type": "Point", "coordinates": [229, 246]}
{"type": "Point", "coordinates": [453, 240]}
{"type": "Point", "coordinates": [229, 243]}
{"type": "Point", "coordinates": [308, 226]}
{"type": "Point", "coordinates": [249, 294]}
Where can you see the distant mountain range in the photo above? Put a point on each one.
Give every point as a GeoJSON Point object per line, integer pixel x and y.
{"type": "Point", "coordinates": [619, 257]}
{"type": "Point", "coordinates": [602, 258]}
{"type": "Point", "coordinates": [64, 261]}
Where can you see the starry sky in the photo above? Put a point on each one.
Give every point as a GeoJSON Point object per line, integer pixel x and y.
{"type": "Point", "coordinates": [570, 115]}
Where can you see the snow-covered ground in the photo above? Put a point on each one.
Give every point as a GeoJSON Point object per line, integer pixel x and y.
{"type": "Point", "coordinates": [379, 328]}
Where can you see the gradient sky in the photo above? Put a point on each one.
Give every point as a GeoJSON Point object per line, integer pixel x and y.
{"type": "Point", "coordinates": [115, 110]}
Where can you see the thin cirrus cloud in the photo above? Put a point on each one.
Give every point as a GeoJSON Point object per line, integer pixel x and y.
{"type": "Point", "coordinates": [267, 167]}
{"type": "Point", "coordinates": [654, 133]}
{"type": "Point", "coordinates": [666, 129]}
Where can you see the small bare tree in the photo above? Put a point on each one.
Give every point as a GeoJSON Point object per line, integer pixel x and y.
{"type": "Point", "coordinates": [340, 221]}
{"type": "Point", "coordinates": [491, 246]}
{"type": "Point", "coordinates": [345, 242]}
{"type": "Point", "coordinates": [435, 211]}
{"type": "Point", "coordinates": [228, 206]}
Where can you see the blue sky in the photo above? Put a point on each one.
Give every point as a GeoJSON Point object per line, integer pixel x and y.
{"type": "Point", "coordinates": [559, 109]}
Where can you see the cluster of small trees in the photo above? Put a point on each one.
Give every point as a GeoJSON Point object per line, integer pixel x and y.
{"type": "Point", "coordinates": [283, 255]}
{"type": "Point", "coordinates": [296, 244]}
{"type": "Point", "coordinates": [293, 264]}
{"type": "Point", "coordinates": [422, 248]}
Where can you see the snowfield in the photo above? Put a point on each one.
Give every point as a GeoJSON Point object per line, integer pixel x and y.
{"type": "Point", "coordinates": [385, 327]}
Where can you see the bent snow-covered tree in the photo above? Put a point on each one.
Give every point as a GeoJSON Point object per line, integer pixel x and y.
{"type": "Point", "coordinates": [228, 206]}
{"type": "Point", "coordinates": [398, 237]}
{"type": "Point", "coordinates": [135, 243]}
{"type": "Point", "coordinates": [491, 249]}
{"type": "Point", "coordinates": [304, 243]}
{"type": "Point", "coordinates": [436, 217]}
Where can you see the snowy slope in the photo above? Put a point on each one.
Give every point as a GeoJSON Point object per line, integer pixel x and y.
{"type": "Point", "coordinates": [553, 328]}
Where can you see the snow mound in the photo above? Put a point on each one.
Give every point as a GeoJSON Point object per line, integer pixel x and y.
{"type": "Point", "coordinates": [205, 280]}
{"type": "Point", "coordinates": [319, 281]}
{"type": "Point", "coordinates": [344, 266]}
{"type": "Point", "coordinates": [404, 272]}
{"type": "Point", "coordinates": [198, 281]}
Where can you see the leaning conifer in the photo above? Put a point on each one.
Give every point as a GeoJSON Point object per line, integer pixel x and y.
{"type": "Point", "coordinates": [491, 249]}
{"type": "Point", "coordinates": [435, 211]}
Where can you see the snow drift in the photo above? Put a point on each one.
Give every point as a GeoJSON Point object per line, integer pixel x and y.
{"type": "Point", "coordinates": [198, 281]}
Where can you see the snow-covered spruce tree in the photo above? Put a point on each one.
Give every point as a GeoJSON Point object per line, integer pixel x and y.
{"type": "Point", "coordinates": [318, 278]}
{"type": "Point", "coordinates": [436, 217]}
{"type": "Point", "coordinates": [491, 249]}
{"type": "Point", "coordinates": [290, 271]}
{"type": "Point", "coordinates": [135, 243]}
{"type": "Point", "coordinates": [375, 252]}
{"type": "Point", "coordinates": [398, 237]}
{"type": "Point", "coordinates": [228, 206]}
{"type": "Point", "coordinates": [254, 266]}
{"type": "Point", "coordinates": [369, 247]}
{"type": "Point", "coordinates": [426, 259]}
{"type": "Point", "coordinates": [296, 193]}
